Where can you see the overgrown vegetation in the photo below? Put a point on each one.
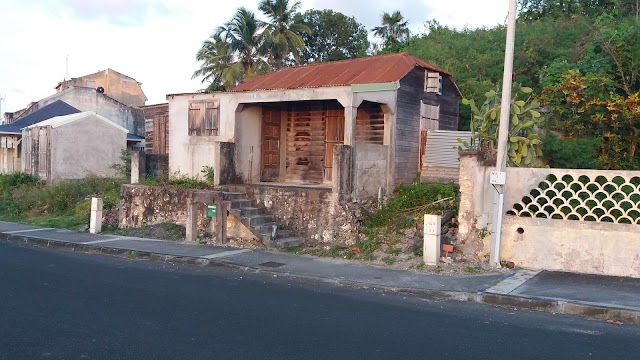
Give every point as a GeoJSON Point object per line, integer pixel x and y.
{"type": "Point", "coordinates": [123, 168]}
{"type": "Point", "coordinates": [383, 222]}
{"type": "Point", "coordinates": [65, 204]}
{"type": "Point", "coordinates": [580, 153]}
{"type": "Point", "coordinates": [181, 180]}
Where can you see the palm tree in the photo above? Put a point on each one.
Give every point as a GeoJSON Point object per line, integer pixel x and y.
{"type": "Point", "coordinates": [217, 59]}
{"type": "Point", "coordinates": [394, 30]}
{"type": "Point", "coordinates": [282, 33]}
{"type": "Point", "coordinates": [245, 37]}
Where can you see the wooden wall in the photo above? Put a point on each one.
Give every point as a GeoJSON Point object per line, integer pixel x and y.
{"type": "Point", "coordinates": [407, 131]}
{"type": "Point", "coordinates": [156, 129]}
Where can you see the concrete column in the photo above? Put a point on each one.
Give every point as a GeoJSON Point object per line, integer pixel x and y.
{"type": "Point", "coordinates": [432, 232]}
{"type": "Point", "coordinates": [350, 113]}
{"type": "Point", "coordinates": [138, 166]}
{"type": "Point", "coordinates": [95, 224]}
{"type": "Point", "coordinates": [192, 221]}
{"type": "Point", "coordinates": [342, 172]}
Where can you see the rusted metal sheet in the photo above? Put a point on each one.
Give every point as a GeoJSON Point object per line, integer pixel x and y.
{"type": "Point", "coordinates": [368, 70]}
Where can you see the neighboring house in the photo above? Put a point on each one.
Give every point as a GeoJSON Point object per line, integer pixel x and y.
{"type": "Point", "coordinates": [114, 96]}
{"type": "Point", "coordinates": [156, 118]}
{"type": "Point", "coordinates": [11, 134]}
{"type": "Point", "coordinates": [72, 146]}
{"type": "Point", "coordinates": [285, 126]}
{"type": "Point", "coordinates": [117, 86]}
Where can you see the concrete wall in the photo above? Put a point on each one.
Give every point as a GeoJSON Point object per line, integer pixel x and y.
{"type": "Point", "coordinates": [315, 214]}
{"type": "Point", "coordinates": [558, 243]}
{"type": "Point", "coordinates": [370, 167]}
{"type": "Point", "coordinates": [584, 247]}
{"type": "Point", "coordinates": [84, 147]}
{"type": "Point", "coordinates": [476, 205]}
{"type": "Point", "coordinates": [87, 99]}
{"type": "Point", "coordinates": [189, 154]}
{"type": "Point", "coordinates": [148, 205]}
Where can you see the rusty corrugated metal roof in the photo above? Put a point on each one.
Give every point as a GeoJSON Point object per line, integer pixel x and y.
{"type": "Point", "coordinates": [368, 70]}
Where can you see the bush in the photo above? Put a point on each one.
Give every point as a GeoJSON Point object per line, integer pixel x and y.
{"type": "Point", "coordinates": [571, 153]}
{"type": "Point", "coordinates": [410, 202]}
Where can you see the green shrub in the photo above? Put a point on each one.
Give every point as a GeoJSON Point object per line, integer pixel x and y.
{"type": "Point", "coordinates": [571, 153]}
{"type": "Point", "coordinates": [408, 203]}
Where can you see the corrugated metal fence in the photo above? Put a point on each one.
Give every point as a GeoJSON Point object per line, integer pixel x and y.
{"type": "Point", "coordinates": [440, 162]}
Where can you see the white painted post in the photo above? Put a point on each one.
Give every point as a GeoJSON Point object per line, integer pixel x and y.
{"type": "Point", "coordinates": [431, 246]}
{"type": "Point", "coordinates": [95, 225]}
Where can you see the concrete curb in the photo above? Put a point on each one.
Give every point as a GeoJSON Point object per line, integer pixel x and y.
{"type": "Point", "coordinates": [613, 314]}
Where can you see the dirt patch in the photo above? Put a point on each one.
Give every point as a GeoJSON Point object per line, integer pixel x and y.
{"type": "Point", "coordinates": [401, 250]}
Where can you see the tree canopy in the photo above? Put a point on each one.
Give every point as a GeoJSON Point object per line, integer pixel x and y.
{"type": "Point", "coordinates": [333, 36]}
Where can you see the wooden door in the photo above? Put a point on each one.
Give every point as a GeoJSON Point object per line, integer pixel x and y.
{"type": "Point", "coordinates": [159, 139]}
{"type": "Point", "coordinates": [270, 148]}
{"type": "Point", "coordinates": [334, 134]}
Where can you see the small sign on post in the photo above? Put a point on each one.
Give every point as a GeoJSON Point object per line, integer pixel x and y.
{"type": "Point", "coordinates": [431, 246]}
{"type": "Point", "coordinates": [212, 210]}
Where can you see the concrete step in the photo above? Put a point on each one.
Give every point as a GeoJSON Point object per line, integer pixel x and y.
{"type": "Point", "coordinates": [280, 233]}
{"type": "Point", "coordinates": [288, 242]}
{"type": "Point", "coordinates": [247, 211]}
{"type": "Point", "coordinates": [233, 196]}
{"type": "Point", "coordinates": [240, 203]}
{"type": "Point", "coordinates": [257, 220]}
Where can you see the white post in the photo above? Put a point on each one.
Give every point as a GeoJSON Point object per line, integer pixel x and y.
{"type": "Point", "coordinates": [505, 112]}
{"type": "Point", "coordinates": [95, 226]}
{"type": "Point", "coordinates": [431, 246]}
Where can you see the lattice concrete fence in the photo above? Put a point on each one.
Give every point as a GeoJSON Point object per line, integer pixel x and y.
{"type": "Point", "coordinates": [556, 219]}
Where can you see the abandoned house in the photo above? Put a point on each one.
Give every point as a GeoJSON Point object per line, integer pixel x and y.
{"type": "Point", "coordinates": [115, 96]}
{"type": "Point", "coordinates": [11, 134]}
{"type": "Point", "coordinates": [283, 127]}
{"type": "Point", "coordinates": [66, 147]}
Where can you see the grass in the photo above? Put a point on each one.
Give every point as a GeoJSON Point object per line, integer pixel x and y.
{"type": "Point", "coordinates": [65, 204]}
{"type": "Point", "coordinates": [177, 180]}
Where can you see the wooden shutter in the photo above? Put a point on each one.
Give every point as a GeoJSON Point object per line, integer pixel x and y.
{"type": "Point", "coordinates": [204, 118]}
{"type": "Point", "coordinates": [195, 118]}
{"type": "Point", "coordinates": [433, 82]}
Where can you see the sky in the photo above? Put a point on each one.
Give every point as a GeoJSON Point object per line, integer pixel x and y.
{"type": "Point", "coordinates": [155, 41]}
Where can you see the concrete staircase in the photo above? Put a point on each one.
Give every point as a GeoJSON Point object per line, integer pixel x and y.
{"type": "Point", "coordinates": [261, 224]}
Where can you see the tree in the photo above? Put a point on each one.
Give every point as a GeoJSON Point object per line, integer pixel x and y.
{"type": "Point", "coordinates": [283, 32]}
{"type": "Point", "coordinates": [216, 68]}
{"type": "Point", "coordinates": [531, 10]}
{"type": "Point", "coordinates": [587, 106]}
{"type": "Point", "coordinates": [333, 36]}
{"type": "Point", "coordinates": [245, 39]}
{"type": "Point", "coordinates": [394, 31]}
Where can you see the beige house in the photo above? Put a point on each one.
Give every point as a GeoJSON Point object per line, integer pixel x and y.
{"type": "Point", "coordinates": [117, 86]}
{"type": "Point", "coordinates": [68, 147]}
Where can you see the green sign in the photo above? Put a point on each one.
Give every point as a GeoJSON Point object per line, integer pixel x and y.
{"type": "Point", "coordinates": [212, 210]}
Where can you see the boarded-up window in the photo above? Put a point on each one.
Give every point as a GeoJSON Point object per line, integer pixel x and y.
{"type": "Point", "coordinates": [370, 124]}
{"type": "Point", "coordinates": [433, 82]}
{"type": "Point", "coordinates": [429, 117]}
{"type": "Point", "coordinates": [204, 118]}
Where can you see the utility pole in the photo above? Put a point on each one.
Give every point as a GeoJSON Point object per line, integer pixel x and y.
{"type": "Point", "coordinates": [498, 177]}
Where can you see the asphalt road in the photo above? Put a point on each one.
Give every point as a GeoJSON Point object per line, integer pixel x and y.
{"type": "Point", "coordinates": [57, 304]}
